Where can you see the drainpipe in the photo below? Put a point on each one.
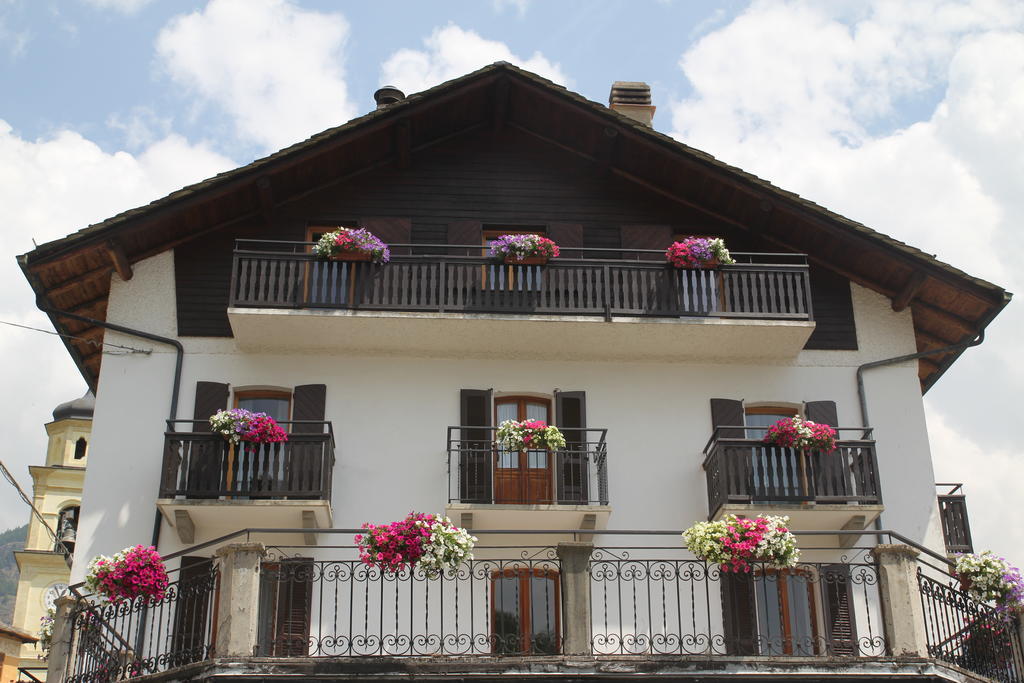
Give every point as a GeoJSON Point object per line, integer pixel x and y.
{"type": "Point", "coordinates": [862, 395]}
{"type": "Point", "coordinates": [175, 388]}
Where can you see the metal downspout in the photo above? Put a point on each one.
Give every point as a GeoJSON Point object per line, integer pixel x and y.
{"type": "Point", "coordinates": [862, 395]}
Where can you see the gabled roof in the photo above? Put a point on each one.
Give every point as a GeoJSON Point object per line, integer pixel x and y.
{"type": "Point", "coordinates": [72, 274]}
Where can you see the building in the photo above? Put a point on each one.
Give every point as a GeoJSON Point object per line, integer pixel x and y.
{"type": "Point", "coordinates": [44, 565]}
{"type": "Point", "coordinates": [391, 378]}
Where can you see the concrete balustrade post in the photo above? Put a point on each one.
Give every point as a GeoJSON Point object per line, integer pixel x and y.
{"type": "Point", "coordinates": [576, 618]}
{"type": "Point", "coordinates": [900, 595]}
{"type": "Point", "coordinates": [238, 607]}
{"type": "Point", "coordinates": [60, 643]}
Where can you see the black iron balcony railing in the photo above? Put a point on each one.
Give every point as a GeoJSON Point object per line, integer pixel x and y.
{"type": "Point", "coordinates": [204, 465]}
{"type": "Point", "coordinates": [747, 470]}
{"type": "Point", "coordinates": [426, 278]}
{"type": "Point", "coordinates": [956, 528]}
{"type": "Point", "coordinates": [480, 470]}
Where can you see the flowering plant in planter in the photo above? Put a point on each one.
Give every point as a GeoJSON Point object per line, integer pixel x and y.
{"type": "Point", "coordinates": [430, 542]}
{"type": "Point", "coordinates": [519, 247]}
{"type": "Point", "coordinates": [526, 435]}
{"type": "Point", "coordinates": [990, 578]}
{"type": "Point", "coordinates": [734, 542]}
{"type": "Point", "coordinates": [355, 241]}
{"type": "Point", "coordinates": [792, 432]}
{"type": "Point", "coordinates": [237, 425]}
{"type": "Point", "coordinates": [46, 632]}
{"type": "Point", "coordinates": [698, 252]}
{"type": "Point", "coordinates": [135, 571]}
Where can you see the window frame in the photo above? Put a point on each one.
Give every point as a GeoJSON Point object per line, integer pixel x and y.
{"type": "Point", "coordinates": [811, 581]}
{"type": "Point", "coordinates": [525, 575]}
{"type": "Point", "coordinates": [523, 467]}
{"type": "Point", "coordinates": [242, 394]}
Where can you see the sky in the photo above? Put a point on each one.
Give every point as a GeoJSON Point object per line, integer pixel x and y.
{"type": "Point", "coordinates": [906, 116]}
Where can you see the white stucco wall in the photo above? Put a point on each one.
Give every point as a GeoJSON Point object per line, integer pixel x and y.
{"type": "Point", "coordinates": [390, 415]}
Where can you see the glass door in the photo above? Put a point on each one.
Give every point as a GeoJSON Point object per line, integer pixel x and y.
{"type": "Point", "coordinates": [522, 476]}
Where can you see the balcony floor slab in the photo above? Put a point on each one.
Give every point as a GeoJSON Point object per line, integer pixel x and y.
{"type": "Point", "coordinates": [481, 335]}
{"type": "Point", "coordinates": [809, 516]}
{"type": "Point", "coordinates": [216, 517]}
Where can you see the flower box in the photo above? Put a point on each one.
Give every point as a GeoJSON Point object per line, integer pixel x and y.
{"type": "Point", "coordinates": [698, 252]}
{"type": "Point", "coordinates": [352, 244]}
{"type": "Point", "coordinates": [734, 542]}
{"type": "Point", "coordinates": [529, 435]}
{"type": "Point", "coordinates": [804, 435]}
{"type": "Point", "coordinates": [134, 572]}
{"type": "Point", "coordinates": [428, 542]}
{"type": "Point", "coordinates": [988, 578]}
{"type": "Point", "coordinates": [243, 426]}
{"type": "Point", "coordinates": [522, 249]}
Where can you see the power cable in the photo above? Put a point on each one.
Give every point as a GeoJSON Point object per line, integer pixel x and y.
{"type": "Point", "coordinates": [93, 342]}
{"type": "Point", "coordinates": [57, 543]}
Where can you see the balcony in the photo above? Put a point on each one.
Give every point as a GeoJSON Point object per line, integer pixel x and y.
{"type": "Point", "coordinates": [211, 487]}
{"type": "Point", "coordinates": [490, 487]}
{"type": "Point", "coordinates": [838, 490]}
{"type": "Point", "coordinates": [426, 300]}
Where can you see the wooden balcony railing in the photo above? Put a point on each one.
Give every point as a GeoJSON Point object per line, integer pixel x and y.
{"type": "Point", "coordinates": [956, 528]}
{"type": "Point", "coordinates": [204, 465]}
{"type": "Point", "coordinates": [427, 278]}
{"type": "Point", "coordinates": [746, 470]}
{"type": "Point", "coordinates": [482, 471]}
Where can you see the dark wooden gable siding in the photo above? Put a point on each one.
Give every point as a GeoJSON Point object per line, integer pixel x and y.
{"type": "Point", "coordinates": [507, 178]}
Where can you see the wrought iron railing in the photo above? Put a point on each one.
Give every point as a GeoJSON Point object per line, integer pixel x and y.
{"type": "Point", "coordinates": [481, 470]}
{"type": "Point", "coordinates": [962, 630]}
{"type": "Point", "coordinates": [345, 608]}
{"type": "Point", "coordinates": [129, 638]}
{"type": "Point", "coordinates": [644, 604]}
{"type": "Point", "coordinates": [30, 674]}
{"type": "Point", "coordinates": [746, 470]}
{"type": "Point", "coordinates": [204, 465]}
{"type": "Point", "coordinates": [956, 527]}
{"type": "Point", "coordinates": [429, 278]}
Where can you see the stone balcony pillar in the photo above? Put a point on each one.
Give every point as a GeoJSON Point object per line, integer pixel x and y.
{"type": "Point", "coordinates": [575, 573]}
{"type": "Point", "coordinates": [238, 608]}
{"type": "Point", "coordinates": [900, 595]}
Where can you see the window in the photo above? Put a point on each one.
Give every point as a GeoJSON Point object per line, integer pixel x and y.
{"type": "Point", "coordinates": [276, 404]}
{"type": "Point", "coordinates": [67, 530]}
{"type": "Point", "coordinates": [759, 418]}
{"type": "Point", "coordinates": [778, 473]}
{"type": "Point", "coordinates": [80, 447]}
{"type": "Point", "coordinates": [525, 614]}
{"type": "Point", "coordinates": [286, 597]}
{"type": "Point", "coordinates": [786, 612]}
{"type": "Point", "coordinates": [522, 476]}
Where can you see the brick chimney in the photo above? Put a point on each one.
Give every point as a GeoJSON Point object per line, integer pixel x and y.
{"type": "Point", "coordinates": [633, 99]}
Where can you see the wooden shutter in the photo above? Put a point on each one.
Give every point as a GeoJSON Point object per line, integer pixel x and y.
{"type": "Point", "coordinates": [475, 456]}
{"type": "Point", "coordinates": [195, 590]}
{"type": "Point", "coordinates": [727, 411]}
{"type": "Point", "coordinates": [308, 464]}
{"type": "Point", "coordinates": [391, 231]}
{"type": "Point", "coordinates": [841, 629]}
{"type": "Point", "coordinates": [465, 232]}
{"type": "Point", "coordinates": [572, 468]}
{"type": "Point", "coordinates": [646, 237]}
{"type": "Point", "coordinates": [822, 412]}
{"type": "Point", "coordinates": [210, 397]}
{"type": "Point", "coordinates": [288, 599]}
{"type": "Point", "coordinates": [739, 613]}
{"type": "Point", "coordinates": [568, 235]}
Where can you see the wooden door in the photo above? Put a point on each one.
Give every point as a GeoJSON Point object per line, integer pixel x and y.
{"type": "Point", "coordinates": [525, 611]}
{"type": "Point", "coordinates": [522, 477]}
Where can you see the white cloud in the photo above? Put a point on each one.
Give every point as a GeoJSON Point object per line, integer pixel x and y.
{"type": "Point", "coordinates": [276, 69]}
{"type": "Point", "coordinates": [49, 188]}
{"type": "Point", "coordinates": [452, 51]}
{"type": "Point", "coordinates": [905, 116]}
{"type": "Point", "coordinates": [520, 6]}
{"type": "Point", "coordinates": [123, 6]}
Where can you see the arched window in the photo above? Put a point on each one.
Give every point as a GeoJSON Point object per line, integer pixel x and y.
{"type": "Point", "coordinates": [67, 529]}
{"type": "Point", "coordinates": [80, 447]}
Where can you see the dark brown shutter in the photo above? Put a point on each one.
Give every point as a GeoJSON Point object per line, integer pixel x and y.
{"type": "Point", "coordinates": [290, 584]}
{"type": "Point", "coordinates": [646, 237]}
{"type": "Point", "coordinates": [309, 402]}
{"type": "Point", "coordinates": [308, 462]}
{"type": "Point", "coordinates": [475, 453]}
{"type": "Point", "coordinates": [727, 412]}
{"type": "Point", "coordinates": [210, 397]}
{"type": "Point", "coordinates": [739, 613]}
{"type": "Point", "coordinates": [839, 610]}
{"type": "Point", "coordinates": [465, 232]}
{"type": "Point", "coordinates": [572, 469]}
{"type": "Point", "coordinates": [822, 412]}
{"type": "Point", "coordinates": [391, 231]}
{"type": "Point", "coordinates": [195, 590]}
{"type": "Point", "coordinates": [568, 236]}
